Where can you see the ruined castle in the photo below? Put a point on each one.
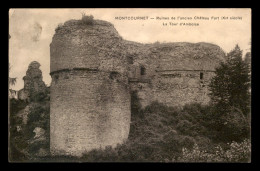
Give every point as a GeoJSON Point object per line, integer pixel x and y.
{"type": "Point", "coordinates": [94, 71]}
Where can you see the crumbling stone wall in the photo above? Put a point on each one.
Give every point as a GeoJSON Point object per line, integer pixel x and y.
{"type": "Point", "coordinates": [33, 82]}
{"type": "Point", "coordinates": [90, 97]}
{"type": "Point", "coordinates": [88, 110]}
{"type": "Point", "coordinates": [142, 70]}
{"type": "Point", "coordinates": [176, 88]}
{"type": "Point", "coordinates": [183, 72]}
{"type": "Point", "coordinates": [92, 46]}
{"type": "Point", "coordinates": [94, 70]}
{"type": "Point", "coordinates": [173, 71]}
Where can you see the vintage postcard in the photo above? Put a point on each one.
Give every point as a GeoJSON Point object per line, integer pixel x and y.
{"type": "Point", "coordinates": [130, 85]}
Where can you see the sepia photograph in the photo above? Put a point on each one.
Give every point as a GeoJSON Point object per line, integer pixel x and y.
{"type": "Point", "coordinates": [157, 85]}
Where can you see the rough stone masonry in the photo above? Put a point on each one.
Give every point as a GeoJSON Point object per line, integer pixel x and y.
{"type": "Point", "coordinates": [33, 82]}
{"type": "Point", "coordinates": [94, 71]}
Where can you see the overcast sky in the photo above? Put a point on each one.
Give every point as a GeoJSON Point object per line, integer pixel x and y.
{"type": "Point", "coordinates": [31, 31]}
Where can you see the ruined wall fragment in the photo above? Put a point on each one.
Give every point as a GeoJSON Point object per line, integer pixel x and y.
{"type": "Point", "coordinates": [33, 83]}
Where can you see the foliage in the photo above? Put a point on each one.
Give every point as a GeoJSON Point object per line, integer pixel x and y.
{"type": "Point", "coordinates": [16, 105]}
{"type": "Point", "coordinates": [230, 117]}
{"type": "Point", "coordinates": [17, 141]}
{"type": "Point", "coordinates": [236, 152]}
{"type": "Point", "coordinates": [12, 81]}
{"type": "Point", "coordinates": [230, 86]}
{"type": "Point", "coordinates": [87, 19]}
{"type": "Point", "coordinates": [235, 127]}
{"type": "Point", "coordinates": [39, 116]}
{"type": "Point", "coordinates": [22, 147]}
{"type": "Point", "coordinates": [38, 96]}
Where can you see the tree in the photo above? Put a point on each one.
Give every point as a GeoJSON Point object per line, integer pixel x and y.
{"type": "Point", "coordinates": [230, 86]}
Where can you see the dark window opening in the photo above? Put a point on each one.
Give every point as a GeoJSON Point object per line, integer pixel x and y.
{"type": "Point", "coordinates": [130, 59]}
{"type": "Point", "coordinates": [113, 75]}
{"type": "Point", "coordinates": [142, 70]}
{"type": "Point", "coordinates": [201, 75]}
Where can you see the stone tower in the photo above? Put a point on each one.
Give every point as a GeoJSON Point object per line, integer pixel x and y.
{"type": "Point", "coordinates": [33, 82]}
{"type": "Point", "coordinates": [89, 94]}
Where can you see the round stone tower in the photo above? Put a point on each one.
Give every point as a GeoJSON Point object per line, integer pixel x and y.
{"type": "Point", "coordinates": [89, 94]}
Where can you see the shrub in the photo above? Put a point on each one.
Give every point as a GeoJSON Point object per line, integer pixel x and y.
{"type": "Point", "coordinates": [38, 116]}
{"type": "Point", "coordinates": [16, 105]}
{"type": "Point", "coordinates": [184, 127]}
{"type": "Point", "coordinates": [59, 27]}
{"type": "Point", "coordinates": [237, 152]}
{"type": "Point", "coordinates": [38, 96]}
{"type": "Point", "coordinates": [87, 19]}
{"type": "Point", "coordinates": [16, 139]}
{"type": "Point", "coordinates": [236, 126]}
{"type": "Point", "coordinates": [15, 154]}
